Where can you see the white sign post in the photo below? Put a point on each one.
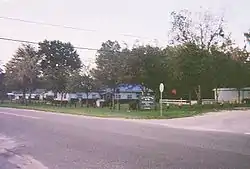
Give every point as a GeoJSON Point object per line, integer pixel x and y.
{"type": "Point", "coordinates": [161, 88]}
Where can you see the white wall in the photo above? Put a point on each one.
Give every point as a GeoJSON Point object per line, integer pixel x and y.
{"type": "Point", "coordinates": [68, 96]}
{"type": "Point", "coordinates": [91, 95]}
{"type": "Point", "coordinates": [127, 96]}
{"type": "Point", "coordinates": [65, 97]}
{"type": "Point", "coordinates": [230, 94]}
{"type": "Point", "coordinates": [17, 96]}
{"type": "Point", "coordinates": [44, 95]}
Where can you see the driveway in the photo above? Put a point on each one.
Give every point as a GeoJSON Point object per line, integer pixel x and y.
{"type": "Point", "coordinates": [237, 121]}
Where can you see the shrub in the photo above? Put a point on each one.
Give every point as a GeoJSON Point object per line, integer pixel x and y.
{"type": "Point", "coordinates": [133, 105]}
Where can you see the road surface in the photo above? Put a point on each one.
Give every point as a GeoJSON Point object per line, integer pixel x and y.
{"type": "Point", "coordinates": [223, 121]}
{"type": "Point", "coordinates": [38, 140]}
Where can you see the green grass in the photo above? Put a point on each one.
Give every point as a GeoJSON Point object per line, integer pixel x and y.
{"type": "Point", "coordinates": [173, 112]}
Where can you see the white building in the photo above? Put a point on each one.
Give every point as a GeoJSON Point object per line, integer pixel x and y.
{"type": "Point", "coordinates": [80, 96]}
{"type": "Point", "coordinates": [46, 95]}
{"type": "Point", "coordinates": [90, 95]}
{"type": "Point", "coordinates": [127, 96]}
{"type": "Point", "coordinates": [36, 94]}
{"type": "Point", "coordinates": [126, 92]}
{"type": "Point", "coordinates": [231, 94]}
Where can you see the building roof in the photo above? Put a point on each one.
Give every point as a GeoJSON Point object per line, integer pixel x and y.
{"type": "Point", "coordinates": [37, 91]}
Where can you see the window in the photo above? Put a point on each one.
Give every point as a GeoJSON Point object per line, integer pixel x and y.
{"type": "Point", "coordinates": [138, 95]}
{"type": "Point", "coordinates": [117, 96]}
{"type": "Point", "coordinates": [129, 96]}
{"type": "Point", "coordinates": [79, 95]}
{"type": "Point", "coordinates": [65, 96]}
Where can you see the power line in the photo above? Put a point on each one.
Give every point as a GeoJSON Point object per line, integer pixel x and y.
{"type": "Point", "coordinates": [46, 24]}
{"type": "Point", "coordinates": [16, 40]}
{"type": "Point", "coordinates": [36, 43]}
{"type": "Point", "coordinates": [66, 27]}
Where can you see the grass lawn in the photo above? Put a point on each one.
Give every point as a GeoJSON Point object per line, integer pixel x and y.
{"type": "Point", "coordinates": [173, 112]}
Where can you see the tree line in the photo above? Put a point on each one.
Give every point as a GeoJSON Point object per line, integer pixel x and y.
{"type": "Point", "coordinates": [200, 57]}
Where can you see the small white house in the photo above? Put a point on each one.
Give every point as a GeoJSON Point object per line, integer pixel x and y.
{"type": "Point", "coordinates": [231, 94]}
{"type": "Point", "coordinates": [80, 96]}
{"type": "Point", "coordinates": [90, 96]}
{"type": "Point", "coordinates": [65, 96]}
{"type": "Point", "coordinates": [46, 94]}
{"type": "Point", "coordinates": [17, 96]}
{"type": "Point", "coordinates": [126, 92]}
{"type": "Point", "coordinates": [127, 96]}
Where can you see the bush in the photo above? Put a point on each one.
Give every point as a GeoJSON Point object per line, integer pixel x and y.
{"type": "Point", "coordinates": [133, 105]}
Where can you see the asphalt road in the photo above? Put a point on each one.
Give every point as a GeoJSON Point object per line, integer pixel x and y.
{"type": "Point", "coordinates": [36, 140]}
{"type": "Point", "coordinates": [233, 121]}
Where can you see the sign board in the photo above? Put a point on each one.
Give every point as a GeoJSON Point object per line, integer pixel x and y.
{"type": "Point", "coordinates": [147, 102]}
{"type": "Point", "coordinates": [161, 87]}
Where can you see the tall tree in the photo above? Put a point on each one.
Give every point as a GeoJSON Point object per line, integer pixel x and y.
{"type": "Point", "coordinates": [110, 68]}
{"type": "Point", "coordinates": [247, 35]}
{"type": "Point", "coordinates": [146, 65]}
{"type": "Point", "coordinates": [80, 83]}
{"type": "Point", "coordinates": [22, 70]}
{"type": "Point", "coordinates": [2, 86]}
{"type": "Point", "coordinates": [203, 29]}
{"type": "Point", "coordinates": [58, 61]}
{"type": "Point", "coordinates": [191, 64]}
{"type": "Point", "coordinates": [109, 64]}
{"type": "Point", "coordinates": [193, 67]}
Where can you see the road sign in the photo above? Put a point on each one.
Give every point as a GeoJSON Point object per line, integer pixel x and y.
{"type": "Point", "coordinates": [161, 87]}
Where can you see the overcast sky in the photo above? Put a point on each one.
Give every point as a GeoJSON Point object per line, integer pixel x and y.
{"type": "Point", "coordinates": [149, 19]}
